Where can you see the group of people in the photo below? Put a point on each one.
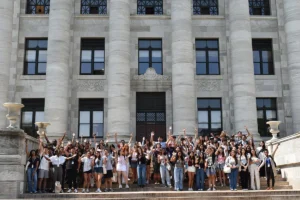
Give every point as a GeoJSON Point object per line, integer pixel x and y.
{"type": "Point", "coordinates": [230, 160]}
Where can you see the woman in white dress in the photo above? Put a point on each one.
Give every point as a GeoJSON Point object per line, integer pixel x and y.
{"type": "Point", "coordinates": [121, 160]}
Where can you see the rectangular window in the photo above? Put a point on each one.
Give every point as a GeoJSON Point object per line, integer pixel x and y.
{"type": "Point", "coordinates": [94, 7]}
{"type": "Point", "coordinates": [259, 7]}
{"type": "Point", "coordinates": [92, 57]}
{"type": "Point", "coordinates": [31, 113]}
{"type": "Point", "coordinates": [207, 57]}
{"type": "Point", "coordinates": [91, 117]}
{"type": "Point", "coordinates": [263, 57]}
{"type": "Point", "coordinates": [266, 111]}
{"type": "Point", "coordinates": [35, 56]}
{"type": "Point", "coordinates": [205, 7]}
{"type": "Point", "coordinates": [150, 7]}
{"type": "Point", "coordinates": [150, 55]}
{"type": "Point", "coordinates": [38, 7]}
{"type": "Point", "coordinates": [209, 116]}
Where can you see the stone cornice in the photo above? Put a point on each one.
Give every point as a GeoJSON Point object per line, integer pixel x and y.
{"type": "Point", "coordinates": [151, 75]}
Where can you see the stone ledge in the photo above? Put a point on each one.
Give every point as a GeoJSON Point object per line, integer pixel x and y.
{"type": "Point", "coordinates": [263, 17]}
{"type": "Point", "coordinates": [91, 77]}
{"type": "Point", "coordinates": [287, 138]}
{"type": "Point", "coordinates": [208, 77]}
{"type": "Point", "coordinates": [150, 17]}
{"type": "Point", "coordinates": [209, 17]}
{"type": "Point", "coordinates": [33, 77]}
{"type": "Point", "coordinates": [35, 16]}
{"type": "Point", "coordinates": [92, 16]}
{"type": "Point", "coordinates": [265, 77]}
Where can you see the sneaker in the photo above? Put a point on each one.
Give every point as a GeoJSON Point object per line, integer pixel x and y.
{"type": "Point", "coordinates": [127, 186]}
{"type": "Point", "coordinates": [75, 191]}
{"type": "Point", "coordinates": [231, 189]}
{"type": "Point", "coordinates": [83, 191]}
{"type": "Point", "coordinates": [98, 190]}
{"type": "Point", "coordinates": [201, 189]}
{"type": "Point", "coordinates": [222, 185]}
{"type": "Point", "coordinates": [87, 191]}
{"type": "Point", "coordinates": [214, 189]}
{"type": "Point", "coordinates": [111, 190]}
{"type": "Point", "coordinates": [235, 189]}
{"type": "Point", "coordinates": [120, 186]}
{"type": "Point", "coordinates": [147, 182]}
{"type": "Point", "coordinates": [69, 191]}
{"type": "Point", "coordinates": [209, 189]}
{"type": "Point", "coordinates": [170, 186]}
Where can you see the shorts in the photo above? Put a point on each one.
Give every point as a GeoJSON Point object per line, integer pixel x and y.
{"type": "Point", "coordinates": [220, 166]}
{"type": "Point", "coordinates": [121, 168]}
{"type": "Point", "coordinates": [88, 172]}
{"type": "Point", "coordinates": [43, 173]}
{"type": "Point", "coordinates": [109, 174]}
{"type": "Point", "coordinates": [210, 171]}
{"type": "Point", "coordinates": [133, 164]}
{"type": "Point", "coordinates": [98, 170]}
{"type": "Point", "coordinates": [191, 169]}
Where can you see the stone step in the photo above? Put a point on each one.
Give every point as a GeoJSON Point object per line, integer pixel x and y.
{"type": "Point", "coordinates": [186, 195]}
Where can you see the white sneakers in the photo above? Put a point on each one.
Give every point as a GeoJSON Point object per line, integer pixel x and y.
{"type": "Point", "coordinates": [127, 186]}
{"type": "Point", "coordinates": [87, 191]}
{"type": "Point", "coordinates": [190, 189]}
{"type": "Point", "coordinates": [83, 190]}
{"type": "Point", "coordinates": [120, 186]}
{"type": "Point", "coordinates": [98, 190]}
{"type": "Point", "coordinates": [69, 190]}
{"type": "Point", "coordinates": [75, 191]}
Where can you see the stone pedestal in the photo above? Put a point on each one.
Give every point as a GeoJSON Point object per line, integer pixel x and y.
{"type": "Point", "coordinates": [6, 26]}
{"type": "Point", "coordinates": [12, 162]}
{"type": "Point", "coordinates": [183, 70]}
{"type": "Point", "coordinates": [243, 82]}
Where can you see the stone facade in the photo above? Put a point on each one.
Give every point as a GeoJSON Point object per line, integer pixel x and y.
{"type": "Point", "coordinates": [64, 89]}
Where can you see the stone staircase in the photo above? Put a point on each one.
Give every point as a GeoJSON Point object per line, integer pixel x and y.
{"type": "Point", "coordinates": [159, 192]}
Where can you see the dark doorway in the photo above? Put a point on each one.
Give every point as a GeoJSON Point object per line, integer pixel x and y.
{"type": "Point", "coordinates": [150, 115]}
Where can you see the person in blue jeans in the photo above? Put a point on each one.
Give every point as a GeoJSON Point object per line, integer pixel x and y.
{"type": "Point", "coordinates": [141, 167]}
{"type": "Point", "coordinates": [232, 162]}
{"type": "Point", "coordinates": [32, 167]}
{"type": "Point", "coordinates": [178, 159]}
{"type": "Point", "coordinates": [200, 170]}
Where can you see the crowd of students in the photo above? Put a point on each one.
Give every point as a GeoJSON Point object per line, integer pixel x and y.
{"type": "Point", "coordinates": [229, 160]}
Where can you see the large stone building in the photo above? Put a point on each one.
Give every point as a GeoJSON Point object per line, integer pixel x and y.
{"type": "Point", "coordinates": [135, 66]}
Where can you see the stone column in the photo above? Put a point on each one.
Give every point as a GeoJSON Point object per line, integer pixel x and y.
{"type": "Point", "coordinates": [292, 30]}
{"type": "Point", "coordinates": [183, 68]}
{"type": "Point", "coordinates": [118, 117]}
{"type": "Point", "coordinates": [243, 82]}
{"type": "Point", "coordinates": [6, 26]}
{"type": "Point", "coordinates": [57, 78]}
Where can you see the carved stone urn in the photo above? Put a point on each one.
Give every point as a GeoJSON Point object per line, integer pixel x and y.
{"type": "Point", "coordinates": [274, 129]}
{"type": "Point", "coordinates": [13, 113]}
{"type": "Point", "coordinates": [42, 128]}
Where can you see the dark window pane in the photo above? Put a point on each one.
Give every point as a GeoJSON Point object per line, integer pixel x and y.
{"type": "Point", "coordinates": [256, 57]}
{"type": "Point", "coordinates": [267, 56]}
{"type": "Point", "coordinates": [99, 66]}
{"type": "Point", "coordinates": [143, 67]}
{"type": "Point", "coordinates": [98, 56]}
{"type": "Point", "coordinates": [144, 56]}
{"type": "Point", "coordinates": [266, 68]}
{"type": "Point", "coordinates": [203, 103]}
{"type": "Point", "coordinates": [200, 56]}
{"type": "Point", "coordinates": [156, 44]}
{"type": "Point", "coordinates": [32, 43]}
{"type": "Point", "coordinates": [214, 68]}
{"type": "Point", "coordinates": [201, 44]}
{"type": "Point", "coordinates": [150, 7]}
{"type": "Point", "coordinates": [267, 103]}
{"type": "Point", "coordinates": [205, 7]}
{"type": "Point", "coordinates": [42, 68]}
{"type": "Point", "coordinates": [259, 103]}
{"type": "Point", "coordinates": [43, 43]}
{"type": "Point", "coordinates": [94, 7]}
{"type": "Point", "coordinates": [86, 68]}
{"type": "Point", "coordinates": [157, 67]}
{"type": "Point", "coordinates": [98, 129]}
{"type": "Point", "coordinates": [201, 68]}
{"type": "Point", "coordinates": [30, 68]}
{"type": "Point", "coordinates": [84, 130]}
{"type": "Point", "coordinates": [42, 56]}
{"type": "Point", "coordinates": [144, 43]}
{"type": "Point", "coordinates": [213, 56]}
{"type": "Point", "coordinates": [214, 103]}
{"type": "Point", "coordinates": [156, 56]}
{"type": "Point", "coordinates": [212, 44]}
{"type": "Point", "coordinates": [257, 68]}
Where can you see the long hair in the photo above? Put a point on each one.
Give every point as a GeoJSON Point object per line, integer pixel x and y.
{"type": "Point", "coordinates": [181, 157]}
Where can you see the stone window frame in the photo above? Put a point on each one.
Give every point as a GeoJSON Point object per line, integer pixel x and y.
{"type": "Point", "coordinates": [150, 49]}
{"type": "Point", "coordinates": [93, 44]}
{"type": "Point", "coordinates": [157, 6]}
{"type": "Point", "coordinates": [86, 5]}
{"type": "Point", "coordinates": [37, 62]}
{"type": "Point", "coordinates": [34, 106]}
{"type": "Point", "coordinates": [33, 5]}
{"type": "Point", "coordinates": [211, 7]}
{"type": "Point", "coordinates": [262, 127]}
{"type": "Point", "coordinates": [207, 62]}
{"type": "Point", "coordinates": [262, 45]}
{"type": "Point", "coordinates": [91, 105]}
{"type": "Point", "coordinates": [209, 109]}
{"type": "Point", "coordinates": [263, 6]}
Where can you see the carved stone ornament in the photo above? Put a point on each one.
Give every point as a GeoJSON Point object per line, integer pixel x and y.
{"type": "Point", "coordinates": [209, 85]}
{"type": "Point", "coordinates": [151, 75]}
{"type": "Point", "coordinates": [90, 85]}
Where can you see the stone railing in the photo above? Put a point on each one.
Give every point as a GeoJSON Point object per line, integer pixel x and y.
{"type": "Point", "coordinates": [287, 158]}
